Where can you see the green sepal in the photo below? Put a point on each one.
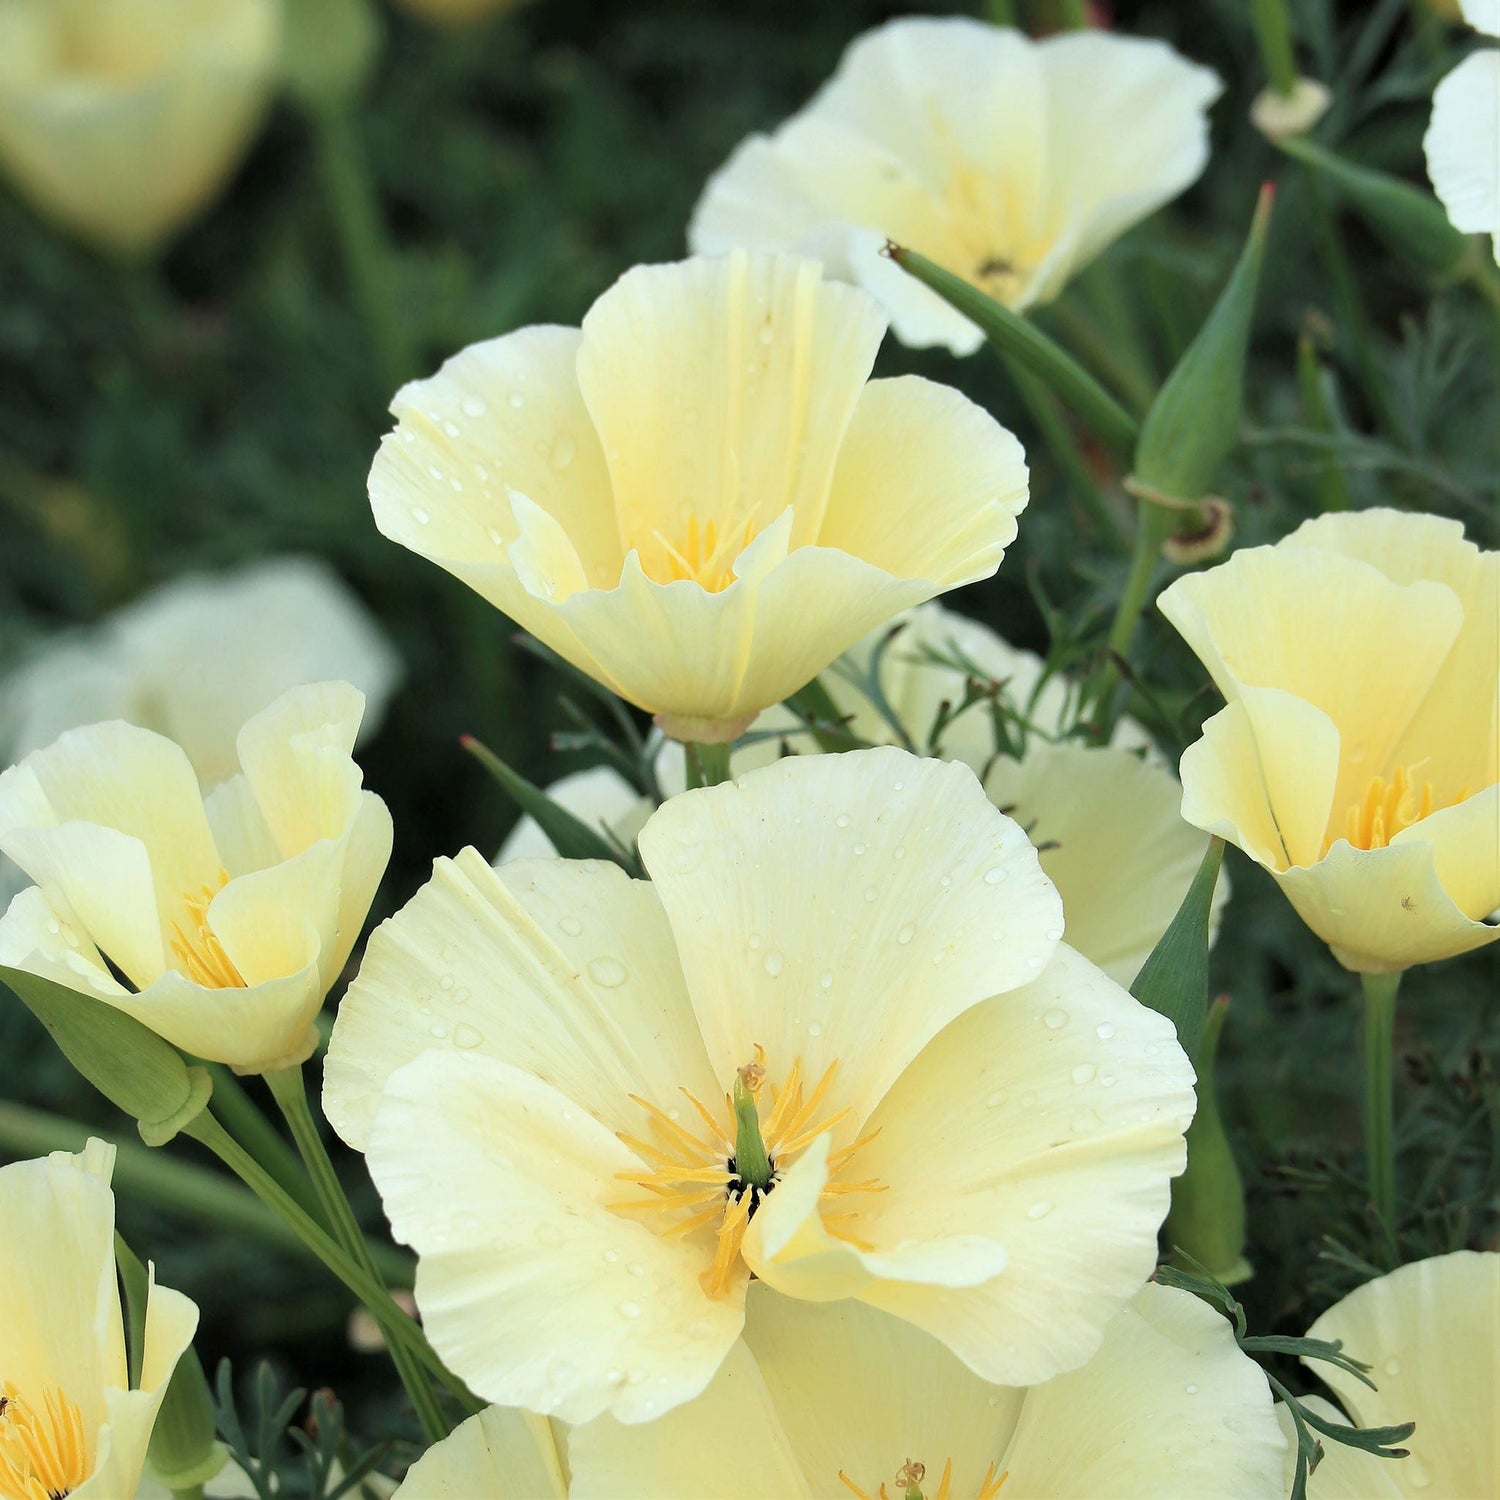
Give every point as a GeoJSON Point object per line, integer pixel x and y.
{"type": "Point", "coordinates": [1408, 219]}
{"type": "Point", "coordinates": [136, 1070]}
{"type": "Point", "coordinates": [1195, 419]}
{"type": "Point", "coordinates": [185, 1452]}
{"type": "Point", "coordinates": [1207, 1217]}
{"type": "Point", "coordinates": [1011, 334]}
{"type": "Point", "coordinates": [136, 1286]}
{"type": "Point", "coordinates": [329, 48]}
{"type": "Point", "coordinates": [1174, 979]}
{"type": "Point", "coordinates": [571, 836]}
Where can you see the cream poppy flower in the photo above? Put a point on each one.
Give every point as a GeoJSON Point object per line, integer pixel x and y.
{"type": "Point", "coordinates": [197, 657]}
{"type": "Point", "coordinates": [219, 922]}
{"type": "Point", "coordinates": [1008, 161]}
{"type": "Point", "coordinates": [1463, 141]}
{"type": "Point", "coordinates": [1107, 820]}
{"type": "Point", "coordinates": [120, 119]}
{"type": "Point", "coordinates": [834, 1041]}
{"type": "Point", "coordinates": [1429, 1332]}
{"type": "Point", "coordinates": [1357, 757]}
{"type": "Point", "coordinates": [697, 499]}
{"type": "Point", "coordinates": [70, 1424]}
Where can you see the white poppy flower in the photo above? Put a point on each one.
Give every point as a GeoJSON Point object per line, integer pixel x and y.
{"type": "Point", "coordinates": [1008, 161]}
{"type": "Point", "coordinates": [834, 1041]}
{"type": "Point", "coordinates": [220, 923]}
{"type": "Point", "coordinates": [70, 1422]}
{"type": "Point", "coordinates": [1430, 1332]}
{"type": "Point", "coordinates": [1463, 141]}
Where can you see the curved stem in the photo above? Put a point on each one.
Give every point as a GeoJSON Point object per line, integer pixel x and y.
{"type": "Point", "coordinates": [1380, 1150]}
{"type": "Point", "coordinates": [290, 1093]}
{"type": "Point", "coordinates": [1153, 526]}
{"type": "Point", "coordinates": [708, 765]}
{"type": "Point", "coordinates": [259, 1137]}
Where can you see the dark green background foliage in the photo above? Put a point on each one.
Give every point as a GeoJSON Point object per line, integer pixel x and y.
{"type": "Point", "coordinates": [227, 402]}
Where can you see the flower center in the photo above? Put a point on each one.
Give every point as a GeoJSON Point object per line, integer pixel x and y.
{"type": "Point", "coordinates": [44, 1455]}
{"type": "Point", "coordinates": [1388, 807]}
{"type": "Point", "coordinates": [700, 555]}
{"type": "Point", "coordinates": [199, 953]}
{"type": "Point", "coordinates": [718, 1178]}
{"type": "Point", "coordinates": [909, 1479]}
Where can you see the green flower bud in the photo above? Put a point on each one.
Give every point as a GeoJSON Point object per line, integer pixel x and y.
{"type": "Point", "coordinates": [184, 1452]}
{"type": "Point", "coordinates": [1410, 220]}
{"type": "Point", "coordinates": [1207, 1218]}
{"type": "Point", "coordinates": [127, 1062]}
{"type": "Point", "coordinates": [329, 48]}
{"type": "Point", "coordinates": [1195, 419]}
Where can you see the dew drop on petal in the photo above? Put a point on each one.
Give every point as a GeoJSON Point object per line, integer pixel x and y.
{"type": "Point", "coordinates": [906, 933]}
{"type": "Point", "coordinates": [440, 1032]}
{"type": "Point", "coordinates": [825, 979]}
{"type": "Point", "coordinates": [995, 1100]}
{"type": "Point", "coordinates": [842, 821]}
{"type": "Point", "coordinates": [1054, 934]}
{"type": "Point", "coordinates": [1055, 1019]}
{"type": "Point", "coordinates": [563, 449]}
{"type": "Point", "coordinates": [517, 400]}
{"type": "Point", "coordinates": [451, 428]}
{"type": "Point", "coordinates": [474, 406]}
{"type": "Point", "coordinates": [466, 1036]}
{"type": "Point", "coordinates": [570, 925]}
{"type": "Point", "coordinates": [871, 893]}
{"type": "Point", "coordinates": [494, 536]}
{"type": "Point", "coordinates": [629, 1310]}
{"type": "Point", "coordinates": [772, 964]}
{"type": "Point", "coordinates": [636, 1268]}
{"type": "Point", "coordinates": [1392, 1367]}
{"type": "Point", "coordinates": [1104, 1031]}
{"type": "Point", "coordinates": [609, 972]}
{"type": "Point", "coordinates": [994, 875]}
{"type": "Point", "coordinates": [611, 1257]}
{"type": "Point", "coordinates": [1107, 1081]}
{"type": "Point", "coordinates": [814, 1028]}
{"type": "Point", "coordinates": [420, 514]}
{"type": "Point", "coordinates": [1039, 1210]}
{"type": "Point", "coordinates": [859, 848]}
{"type": "Point", "coordinates": [446, 982]}
{"type": "Point", "coordinates": [1083, 1073]}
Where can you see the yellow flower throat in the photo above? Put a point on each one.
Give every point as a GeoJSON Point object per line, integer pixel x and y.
{"type": "Point", "coordinates": [198, 951]}
{"type": "Point", "coordinates": [44, 1455]}
{"type": "Point", "coordinates": [909, 1479]}
{"type": "Point", "coordinates": [700, 555]}
{"type": "Point", "coordinates": [1387, 808]}
{"type": "Point", "coordinates": [719, 1176]}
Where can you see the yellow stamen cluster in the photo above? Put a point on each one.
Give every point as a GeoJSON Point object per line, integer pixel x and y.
{"type": "Point", "coordinates": [693, 1181]}
{"type": "Point", "coordinates": [1388, 807]}
{"type": "Point", "coordinates": [701, 556]}
{"type": "Point", "coordinates": [909, 1479]}
{"type": "Point", "coordinates": [199, 953]}
{"type": "Point", "coordinates": [44, 1455]}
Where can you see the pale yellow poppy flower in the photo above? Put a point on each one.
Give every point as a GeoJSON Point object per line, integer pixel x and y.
{"type": "Point", "coordinates": [1429, 1332]}
{"type": "Point", "coordinates": [697, 499]}
{"type": "Point", "coordinates": [1107, 820]}
{"type": "Point", "coordinates": [838, 1400]}
{"type": "Point", "coordinates": [219, 922]}
{"type": "Point", "coordinates": [70, 1423]}
{"type": "Point", "coordinates": [1463, 140]}
{"type": "Point", "coordinates": [1010, 162]}
{"type": "Point", "coordinates": [1357, 758]}
{"type": "Point", "coordinates": [121, 119]}
{"type": "Point", "coordinates": [834, 1041]}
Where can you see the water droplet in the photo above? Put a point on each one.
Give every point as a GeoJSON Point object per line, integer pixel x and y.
{"type": "Point", "coordinates": [815, 1028]}
{"type": "Point", "coordinates": [466, 1036]}
{"type": "Point", "coordinates": [1054, 934]}
{"type": "Point", "coordinates": [494, 536]}
{"type": "Point", "coordinates": [994, 875]}
{"type": "Point", "coordinates": [451, 428]}
{"type": "Point", "coordinates": [995, 1100]}
{"type": "Point", "coordinates": [1055, 1019]}
{"type": "Point", "coordinates": [1392, 1367]}
{"type": "Point", "coordinates": [460, 996]}
{"type": "Point", "coordinates": [897, 786]}
{"type": "Point", "coordinates": [766, 335]}
{"type": "Point", "coordinates": [1151, 1049]}
{"type": "Point", "coordinates": [611, 1257]}
{"type": "Point", "coordinates": [563, 449]}
{"type": "Point", "coordinates": [609, 972]}
{"type": "Point", "coordinates": [549, 1235]}
{"type": "Point", "coordinates": [772, 964]}
{"type": "Point", "coordinates": [420, 514]}
{"type": "Point", "coordinates": [859, 848]}
{"type": "Point", "coordinates": [517, 400]}
{"type": "Point", "coordinates": [570, 925]}
{"type": "Point", "coordinates": [456, 486]}
{"type": "Point", "coordinates": [899, 852]}
{"type": "Point", "coordinates": [842, 821]}
{"type": "Point", "coordinates": [1107, 1081]}
{"type": "Point", "coordinates": [440, 1032]}
{"type": "Point", "coordinates": [755, 940]}
{"type": "Point", "coordinates": [825, 979]}
{"type": "Point", "coordinates": [52, 926]}
{"type": "Point", "coordinates": [636, 1269]}
{"type": "Point", "coordinates": [1104, 1031]}
{"type": "Point", "coordinates": [1035, 961]}
{"type": "Point", "coordinates": [474, 406]}
{"type": "Point", "coordinates": [446, 982]}
{"type": "Point", "coordinates": [1191, 1389]}
{"type": "Point", "coordinates": [1083, 1073]}
{"type": "Point", "coordinates": [945, 882]}
{"type": "Point", "coordinates": [1039, 1210]}
{"type": "Point", "coordinates": [629, 1310]}
{"type": "Point", "coordinates": [906, 933]}
{"type": "Point", "coordinates": [871, 893]}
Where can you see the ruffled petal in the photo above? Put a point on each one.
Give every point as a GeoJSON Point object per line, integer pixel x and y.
{"type": "Point", "coordinates": [532, 1289]}
{"type": "Point", "coordinates": [501, 1453]}
{"type": "Point", "coordinates": [843, 908]}
{"type": "Point", "coordinates": [1463, 145]}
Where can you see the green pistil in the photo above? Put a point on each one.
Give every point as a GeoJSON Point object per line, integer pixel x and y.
{"type": "Point", "coordinates": [752, 1165]}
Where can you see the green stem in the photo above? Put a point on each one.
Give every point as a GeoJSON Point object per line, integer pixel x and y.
{"type": "Point", "coordinates": [369, 257]}
{"type": "Point", "coordinates": [1380, 1149]}
{"type": "Point", "coordinates": [207, 1131]}
{"type": "Point", "coordinates": [1063, 445]}
{"type": "Point", "coordinates": [1273, 34]}
{"type": "Point", "coordinates": [707, 765]}
{"type": "Point", "coordinates": [290, 1093]}
{"type": "Point", "coordinates": [259, 1137]}
{"type": "Point", "coordinates": [1154, 524]}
